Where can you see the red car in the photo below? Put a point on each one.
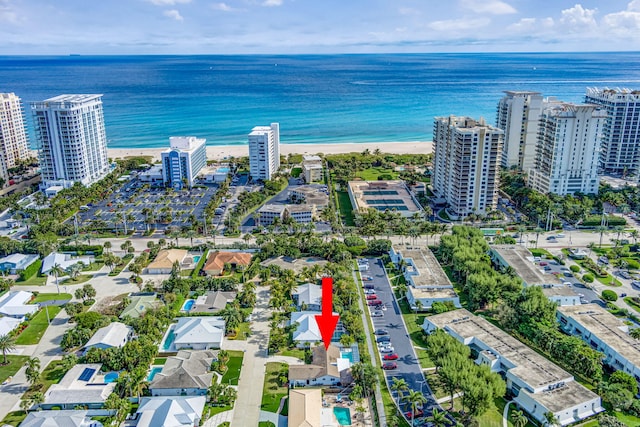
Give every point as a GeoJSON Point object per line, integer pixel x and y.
{"type": "Point", "coordinates": [542, 264]}
{"type": "Point", "coordinates": [419, 413]}
{"type": "Point", "coordinates": [372, 296]}
{"type": "Point", "coordinates": [389, 365]}
{"type": "Point", "coordinates": [392, 356]}
{"type": "Point", "coordinates": [374, 302]}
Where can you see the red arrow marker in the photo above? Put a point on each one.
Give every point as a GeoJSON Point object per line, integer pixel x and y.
{"type": "Point", "coordinates": [327, 321]}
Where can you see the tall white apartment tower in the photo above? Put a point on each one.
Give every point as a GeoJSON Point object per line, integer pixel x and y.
{"type": "Point", "coordinates": [518, 113]}
{"type": "Point", "coordinates": [13, 137]}
{"type": "Point", "coordinates": [264, 151]}
{"type": "Point", "coordinates": [569, 140]}
{"type": "Point", "coordinates": [620, 153]}
{"type": "Point", "coordinates": [466, 162]}
{"type": "Point", "coordinates": [71, 139]}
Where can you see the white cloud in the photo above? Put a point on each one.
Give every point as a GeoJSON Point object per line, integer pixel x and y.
{"type": "Point", "coordinates": [168, 2]}
{"type": "Point", "coordinates": [634, 6]}
{"type": "Point", "coordinates": [408, 11]}
{"type": "Point", "coordinates": [578, 19]}
{"type": "Point", "coordinates": [625, 23]}
{"type": "Point", "coordinates": [223, 7]}
{"type": "Point", "coordinates": [493, 7]}
{"type": "Point", "coordinates": [7, 14]}
{"type": "Point", "coordinates": [529, 25]}
{"type": "Point", "coordinates": [271, 3]}
{"type": "Point", "coordinates": [173, 14]}
{"type": "Point", "coordinates": [463, 24]}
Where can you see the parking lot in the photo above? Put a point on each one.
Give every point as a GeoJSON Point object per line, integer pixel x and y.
{"type": "Point", "coordinates": [169, 208]}
{"type": "Point", "coordinates": [586, 294]}
{"type": "Point", "coordinates": [391, 320]}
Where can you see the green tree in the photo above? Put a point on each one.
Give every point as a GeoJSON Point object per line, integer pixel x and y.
{"type": "Point", "coordinates": [32, 371]}
{"type": "Point", "coordinates": [7, 344]}
{"type": "Point", "coordinates": [56, 271]}
{"type": "Point", "coordinates": [399, 385]}
{"type": "Point", "coordinates": [518, 418]}
{"type": "Point", "coordinates": [439, 418]}
{"type": "Point", "coordinates": [416, 400]}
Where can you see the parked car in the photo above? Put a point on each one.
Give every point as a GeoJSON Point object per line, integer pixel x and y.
{"type": "Point", "coordinates": [547, 268]}
{"type": "Point", "coordinates": [624, 275]}
{"type": "Point", "coordinates": [366, 278]}
{"type": "Point", "coordinates": [389, 365]}
{"type": "Point", "coordinates": [369, 291]}
{"type": "Point", "coordinates": [368, 286]}
{"type": "Point", "coordinates": [387, 349]}
{"type": "Point", "coordinates": [363, 267]}
{"type": "Point", "coordinates": [567, 274]}
{"type": "Point", "coordinates": [419, 413]}
{"type": "Point", "coordinates": [622, 295]}
{"type": "Point", "coordinates": [635, 284]}
{"type": "Point", "coordinates": [551, 238]}
{"type": "Point", "coordinates": [604, 260]}
{"type": "Point", "coordinates": [543, 263]}
{"type": "Point", "coordinates": [381, 332]}
{"type": "Point", "coordinates": [559, 236]}
{"type": "Point", "coordinates": [377, 313]}
{"type": "Point", "coordinates": [383, 338]}
{"type": "Point", "coordinates": [390, 356]}
{"type": "Point", "coordinates": [372, 296]}
{"type": "Point", "coordinates": [374, 302]}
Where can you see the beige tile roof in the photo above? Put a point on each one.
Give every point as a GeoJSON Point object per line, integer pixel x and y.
{"type": "Point", "coordinates": [167, 257]}
{"type": "Point", "coordinates": [218, 259]}
{"type": "Point", "coordinates": [323, 363]}
{"type": "Point", "coordinates": [305, 407]}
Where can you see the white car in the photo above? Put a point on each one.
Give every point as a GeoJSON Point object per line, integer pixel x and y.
{"type": "Point", "coordinates": [369, 291]}
{"type": "Point", "coordinates": [387, 349]}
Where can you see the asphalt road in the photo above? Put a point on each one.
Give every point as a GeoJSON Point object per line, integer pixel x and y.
{"type": "Point", "coordinates": [408, 366]}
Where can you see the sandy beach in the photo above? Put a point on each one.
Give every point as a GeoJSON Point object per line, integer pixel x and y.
{"type": "Point", "coordinates": [225, 151]}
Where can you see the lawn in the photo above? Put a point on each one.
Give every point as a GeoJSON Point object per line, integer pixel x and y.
{"type": "Point", "coordinates": [52, 374]}
{"type": "Point", "coordinates": [82, 278]}
{"type": "Point", "coordinates": [15, 363]}
{"type": "Point", "coordinates": [36, 280]}
{"type": "Point", "coordinates": [94, 266]}
{"type": "Point", "coordinates": [294, 352]}
{"type": "Point", "coordinates": [295, 172]}
{"type": "Point", "coordinates": [373, 173]}
{"type": "Point", "coordinates": [243, 331]}
{"type": "Point", "coordinates": [234, 365]}
{"type": "Point", "coordinates": [160, 361]}
{"type": "Point", "coordinates": [628, 420]}
{"type": "Point", "coordinates": [414, 323]}
{"type": "Point", "coordinates": [346, 210]}
{"type": "Point", "coordinates": [50, 297]}
{"type": "Point", "coordinates": [632, 304]}
{"type": "Point", "coordinates": [609, 280]}
{"type": "Point", "coordinates": [210, 410]}
{"type": "Point", "coordinates": [14, 418]}
{"type": "Point", "coordinates": [272, 393]}
{"type": "Point", "coordinates": [265, 424]}
{"type": "Point", "coordinates": [37, 326]}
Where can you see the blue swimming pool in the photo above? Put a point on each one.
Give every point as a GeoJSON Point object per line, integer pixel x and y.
{"type": "Point", "coordinates": [343, 415]}
{"type": "Point", "coordinates": [111, 377]}
{"type": "Point", "coordinates": [188, 304]}
{"type": "Point", "coordinates": [196, 258]}
{"type": "Point", "coordinates": [168, 342]}
{"type": "Point", "coordinates": [153, 372]}
{"type": "Point", "coordinates": [347, 355]}
{"type": "Point", "coordinates": [223, 169]}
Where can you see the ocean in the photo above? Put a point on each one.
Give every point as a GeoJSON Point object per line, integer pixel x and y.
{"type": "Point", "coordinates": [315, 98]}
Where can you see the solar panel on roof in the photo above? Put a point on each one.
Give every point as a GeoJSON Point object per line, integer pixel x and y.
{"type": "Point", "coordinates": [86, 374]}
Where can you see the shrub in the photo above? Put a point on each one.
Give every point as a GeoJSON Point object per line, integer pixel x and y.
{"type": "Point", "coordinates": [574, 268]}
{"type": "Point", "coordinates": [609, 295]}
{"type": "Point", "coordinates": [28, 272]}
{"type": "Point", "coordinates": [588, 278]}
{"type": "Point", "coordinates": [632, 263]}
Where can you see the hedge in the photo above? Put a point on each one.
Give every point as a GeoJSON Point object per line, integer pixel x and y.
{"type": "Point", "coordinates": [588, 278]}
{"type": "Point", "coordinates": [596, 220]}
{"type": "Point", "coordinates": [28, 272]}
{"type": "Point", "coordinates": [574, 268]}
{"type": "Point", "coordinates": [83, 249]}
{"type": "Point", "coordinates": [609, 295]}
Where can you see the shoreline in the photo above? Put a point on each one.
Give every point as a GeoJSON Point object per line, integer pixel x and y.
{"type": "Point", "coordinates": [221, 152]}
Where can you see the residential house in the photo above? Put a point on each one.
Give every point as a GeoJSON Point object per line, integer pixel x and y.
{"type": "Point", "coordinates": [217, 260]}
{"type": "Point", "coordinates": [212, 301]}
{"type": "Point", "coordinates": [308, 297]}
{"type": "Point", "coordinates": [538, 385]}
{"type": "Point", "coordinates": [69, 418]}
{"type": "Point", "coordinates": [166, 258]}
{"type": "Point", "coordinates": [140, 302]}
{"type": "Point", "coordinates": [188, 373]}
{"type": "Point", "coordinates": [170, 411]}
{"type": "Point", "coordinates": [63, 260]}
{"type": "Point", "coordinates": [8, 324]}
{"type": "Point", "coordinates": [115, 334]}
{"type": "Point", "coordinates": [83, 385]}
{"type": "Point", "coordinates": [305, 407]}
{"type": "Point", "coordinates": [14, 304]}
{"type": "Point", "coordinates": [15, 263]}
{"type": "Point", "coordinates": [198, 333]}
{"type": "Point", "coordinates": [307, 333]}
{"type": "Point", "coordinates": [327, 368]}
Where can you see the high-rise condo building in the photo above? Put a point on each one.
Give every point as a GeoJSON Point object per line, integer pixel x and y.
{"type": "Point", "coordinates": [71, 139]}
{"type": "Point", "coordinates": [466, 162]}
{"type": "Point", "coordinates": [517, 114]}
{"type": "Point", "coordinates": [569, 139]}
{"type": "Point", "coordinates": [182, 162]}
{"type": "Point", "coordinates": [13, 137]}
{"type": "Point", "coordinates": [264, 151]}
{"type": "Point", "coordinates": [620, 154]}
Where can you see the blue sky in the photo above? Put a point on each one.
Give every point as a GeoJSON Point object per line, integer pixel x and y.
{"type": "Point", "coordinates": [315, 26]}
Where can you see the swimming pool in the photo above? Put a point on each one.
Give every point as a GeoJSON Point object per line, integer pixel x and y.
{"type": "Point", "coordinates": [343, 415]}
{"type": "Point", "coordinates": [188, 304]}
{"type": "Point", "coordinates": [196, 258]}
{"type": "Point", "coordinates": [347, 355]}
{"type": "Point", "coordinates": [168, 342]}
{"type": "Point", "coordinates": [153, 372]}
{"type": "Point", "coordinates": [223, 170]}
{"type": "Point", "coordinates": [111, 377]}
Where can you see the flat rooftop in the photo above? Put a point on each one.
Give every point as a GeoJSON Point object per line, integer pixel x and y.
{"type": "Point", "coordinates": [530, 367]}
{"type": "Point", "coordinates": [383, 195]}
{"type": "Point", "coordinates": [428, 269]}
{"type": "Point", "coordinates": [567, 396]}
{"type": "Point", "coordinates": [608, 328]}
{"type": "Point", "coordinates": [520, 259]}
{"type": "Point", "coordinates": [559, 291]}
{"type": "Point", "coordinates": [432, 293]}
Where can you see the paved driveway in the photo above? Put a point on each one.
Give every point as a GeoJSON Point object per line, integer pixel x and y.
{"type": "Point", "coordinates": [408, 366]}
{"type": "Point", "coordinates": [586, 295]}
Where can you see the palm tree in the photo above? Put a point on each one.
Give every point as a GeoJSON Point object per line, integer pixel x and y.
{"type": "Point", "coordinates": [551, 419]}
{"type": "Point", "coordinates": [7, 344]}
{"type": "Point", "coordinates": [439, 419]}
{"type": "Point", "coordinates": [601, 229]}
{"type": "Point", "coordinates": [107, 246]}
{"type": "Point", "coordinates": [415, 398]}
{"type": "Point", "coordinates": [33, 371]}
{"type": "Point", "coordinates": [635, 333]}
{"type": "Point", "coordinates": [57, 271]}
{"type": "Point", "coordinates": [519, 419]}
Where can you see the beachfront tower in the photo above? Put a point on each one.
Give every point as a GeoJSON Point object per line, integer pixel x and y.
{"type": "Point", "coordinates": [569, 138]}
{"type": "Point", "coordinates": [71, 139]}
{"type": "Point", "coordinates": [466, 164]}
{"type": "Point", "coordinates": [517, 114]}
{"type": "Point", "coordinates": [620, 153]}
{"type": "Point", "coordinates": [13, 137]}
{"type": "Point", "coordinates": [264, 151]}
{"type": "Point", "coordinates": [182, 162]}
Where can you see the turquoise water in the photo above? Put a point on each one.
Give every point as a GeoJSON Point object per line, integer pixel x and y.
{"type": "Point", "coordinates": [111, 377]}
{"type": "Point", "coordinates": [343, 415]}
{"type": "Point", "coordinates": [188, 304]}
{"type": "Point", "coordinates": [169, 340]}
{"type": "Point", "coordinates": [196, 258]}
{"type": "Point", "coordinates": [153, 372]}
{"type": "Point", "coordinates": [347, 355]}
{"type": "Point", "coordinates": [316, 98]}
{"type": "Point", "coordinates": [223, 170]}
